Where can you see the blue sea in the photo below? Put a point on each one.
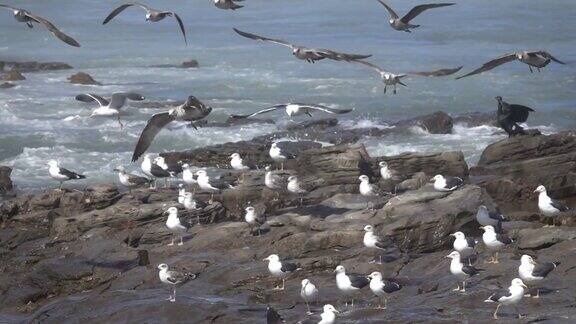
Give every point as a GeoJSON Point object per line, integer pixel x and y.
{"type": "Point", "coordinates": [40, 120]}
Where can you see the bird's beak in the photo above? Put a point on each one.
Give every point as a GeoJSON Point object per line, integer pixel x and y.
{"type": "Point", "coordinates": [336, 311]}
{"type": "Point", "coordinates": [452, 234]}
{"type": "Point", "coordinates": [334, 270]}
{"type": "Point", "coordinates": [536, 190]}
{"type": "Point", "coordinates": [265, 259]}
{"type": "Point", "coordinates": [481, 227]}
{"type": "Point", "coordinates": [523, 285]}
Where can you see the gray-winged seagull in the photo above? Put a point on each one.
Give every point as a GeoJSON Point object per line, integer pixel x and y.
{"type": "Point", "coordinates": [109, 107]}
{"type": "Point", "coordinates": [297, 109]}
{"type": "Point", "coordinates": [403, 24]}
{"type": "Point", "coordinates": [511, 296]}
{"type": "Point", "coordinates": [173, 278]}
{"type": "Point", "coordinates": [537, 59]}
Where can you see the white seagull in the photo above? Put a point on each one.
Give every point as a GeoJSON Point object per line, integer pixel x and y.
{"type": "Point", "coordinates": [348, 284]}
{"type": "Point", "coordinates": [152, 170]}
{"type": "Point", "coordinates": [403, 24]}
{"type": "Point", "coordinates": [548, 206]}
{"type": "Point", "coordinates": [190, 204]}
{"type": "Point", "coordinates": [382, 287]}
{"type": "Point", "coordinates": [460, 270]}
{"type": "Point", "coordinates": [368, 190]}
{"type": "Point", "coordinates": [494, 241]}
{"type": "Point", "coordinates": [372, 241]}
{"type": "Point", "coordinates": [532, 272]}
{"type": "Point", "coordinates": [280, 153]}
{"type": "Point", "coordinates": [511, 296]}
{"type": "Point", "coordinates": [62, 174]}
{"type": "Point", "coordinates": [174, 278]}
{"type": "Point", "coordinates": [181, 193]}
{"type": "Point", "coordinates": [309, 293]}
{"type": "Point", "coordinates": [253, 218]}
{"type": "Point", "coordinates": [108, 108]}
{"type": "Point", "coordinates": [486, 217]}
{"type": "Point", "coordinates": [274, 181]}
{"type": "Point", "coordinates": [297, 109]}
{"type": "Point", "coordinates": [385, 171]}
{"type": "Point", "coordinates": [175, 226]}
{"type": "Point", "coordinates": [442, 183]}
{"type": "Point", "coordinates": [295, 187]}
{"type": "Point", "coordinates": [280, 269]}
{"type": "Point", "coordinates": [211, 185]}
{"type": "Point", "coordinates": [188, 175]}
{"type": "Point", "coordinates": [328, 315]}
{"type": "Point", "coordinates": [464, 245]}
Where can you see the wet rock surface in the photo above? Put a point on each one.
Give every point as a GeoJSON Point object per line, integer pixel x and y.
{"type": "Point", "coordinates": [12, 75]}
{"type": "Point", "coordinates": [5, 181]}
{"type": "Point", "coordinates": [91, 255]}
{"type": "Point", "coordinates": [7, 85]}
{"type": "Point", "coordinates": [83, 79]}
{"type": "Point", "coordinates": [27, 67]}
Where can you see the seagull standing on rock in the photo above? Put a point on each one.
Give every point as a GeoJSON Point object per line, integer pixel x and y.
{"type": "Point", "coordinates": [372, 241]}
{"type": "Point", "coordinates": [486, 217]}
{"type": "Point", "coordinates": [348, 284]}
{"type": "Point", "coordinates": [442, 183]}
{"type": "Point", "coordinates": [62, 174]}
{"type": "Point", "coordinates": [237, 163]}
{"type": "Point", "coordinates": [328, 315]}
{"type": "Point", "coordinates": [188, 176]}
{"type": "Point", "coordinates": [152, 170]}
{"type": "Point", "coordinates": [464, 245]}
{"type": "Point", "coordinates": [382, 287]}
{"type": "Point", "coordinates": [494, 241]}
{"type": "Point", "coordinates": [532, 272]}
{"type": "Point", "coordinates": [174, 278]}
{"type": "Point", "coordinates": [368, 190]}
{"type": "Point", "coordinates": [294, 186]}
{"type": "Point", "coordinates": [130, 180]}
{"type": "Point", "coordinates": [385, 171]}
{"type": "Point", "coordinates": [175, 226]}
{"type": "Point", "coordinates": [280, 269]}
{"type": "Point", "coordinates": [211, 185]}
{"type": "Point", "coordinates": [309, 293]}
{"type": "Point", "coordinates": [274, 181]}
{"type": "Point", "coordinates": [254, 218]}
{"type": "Point", "coordinates": [279, 154]}
{"type": "Point", "coordinates": [512, 296]}
{"type": "Point", "coordinates": [181, 193]}
{"type": "Point", "coordinates": [461, 270]}
{"type": "Point", "coordinates": [548, 206]}
{"type": "Point", "coordinates": [190, 204]}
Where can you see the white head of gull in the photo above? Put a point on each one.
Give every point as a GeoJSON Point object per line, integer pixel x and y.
{"type": "Point", "coordinates": [382, 287]}
{"type": "Point", "coordinates": [460, 270]}
{"type": "Point", "coordinates": [173, 278]}
{"type": "Point", "coordinates": [494, 241]}
{"type": "Point", "coordinates": [175, 226]}
{"type": "Point", "coordinates": [328, 315]}
{"type": "Point", "coordinates": [348, 284]}
{"type": "Point", "coordinates": [280, 269]}
{"type": "Point", "coordinates": [309, 293]}
{"type": "Point", "coordinates": [532, 272]}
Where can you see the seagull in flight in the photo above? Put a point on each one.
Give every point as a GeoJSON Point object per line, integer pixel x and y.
{"type": "Point", "coordinates": [392, 79]}
{"type": "Point", "coordinates": [403, 24]}
{"type": "Point", "coordinates": [537, 59]}
{"type": "Point", "coordinates": [109, 107]}
{"type": "Point", "coordinates": [30, 19]}
{"type": "Point", "coordinates": [297, 109]}
{"type": "Point", "coordinates": [152, 15]}
{"type": "Point", "coordinates": [192, 110]}
{"type": "Point", "coordinates": [311, 55]}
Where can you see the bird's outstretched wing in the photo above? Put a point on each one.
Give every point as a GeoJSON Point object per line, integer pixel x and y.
{"type": "Point", "coordinates": [8, 7]}
{"type": "Point", "coordinates": [519, 113]}
{"type": "Point", "coordinates": [263, 111]}
{"type": "Point", "coordinates": [63, 37]}
{"type": "Point", "coordinates": [391, 11]}
{"type": "Point", "coordinates": [437, 73]}
{"type": "Point", "coordinates": [372, 66]}
{"type": "Point", "coordinates": [326, 109]}
{"type": "Point", "coordinates": [181, 24]}
{"type": "Point", "coordinates": [421, 8]}
{"type": "Point", "coordinates": [121, 8]}
{"type": "Point", "coordinates": [155, 124]}
{"type": "Point", "coordinates": [339, 56]}
{"type": "Point", "coordinates": [119, 98]}
{"type": "Point", "coordinates": [90, 97]}
{"type": "Point", "coordinates": [264, 39]}
{"type": "Point", "coordinates": [548, 55]}
{"type": "Point", "coordinates": [492, 64]}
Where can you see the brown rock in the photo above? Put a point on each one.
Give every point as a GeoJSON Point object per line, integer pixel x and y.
{"type": "Point", "coordinates": [83, 78]}
{"type": "Point", "coordinates": [7, 85]}
{"type": "Point", "coordinates": [436, 123]}
{"type": "Point", "coordinates": [13, 75]}
{"type": "Point", "coordinates": [190, 64]}
{"type": "Point", "coordinates": [5, 181]}
{"type": "Point", "coordinates": [37, 66]}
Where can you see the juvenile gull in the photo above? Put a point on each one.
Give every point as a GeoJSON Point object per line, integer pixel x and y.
{"type": "Point", "coordinates": [62, 174]}
{"type": "Point", "coordinates": [254, 218]}
{"type": "Point", "coordinates": [328, 315]}
{"type": "Point", "coordinates": [294, 186]}
{"type": "Point", "coordinates": [532, 272]}
{"type": "Point", "coordinates": [509, 115]}
{"type": "Point", "coordinates": [152, 170]}
{"type": "Point", "coordinates": [537, 59]}
{"type": "Point", "coordinates": [237, 163]}
{"type": "Point", "coordinates": [191, 110]}
{"type": "Point", "coordinates": [280, 269]}
{"type": "Point", "coordinates": [368, 190]}
{"type": "Point", "coordinates": [309, 293]}
{"type": "Point", "coordinates": [297, 109]}
{"type": "Point", "coordinates": [311, 55]}
{"type": "Point", "coordinates": [274, 181]}
{"type": "Point", "coordinates": [403, 24]}
{"type": "Point", "coordinates": [373, 241]}
{"type": "Point", "coordinates": [29, 19]}
{"type": "Point", "coordinates": [486, 217]}
{"type": "Point", "coordinates": [188, 175]}
{"type": "Point", "coordinates": [175, 226]}
{"type": "Point", "coordinates": [548, 206]}
{"type": "Point", "coordinates": [385, 171]}
{"type": "Point", "coordinates": [174, 278]}
{"type": "Point", "coordinates": [109, 107]}
{"type": "Point", "coordinates": [152, 15]}
{"type": "Point", "coordinates": [382, 287]}
{"type": "Point", "coordinates": [442, 183]}
{"type": "Point", "coordinates": [460, 270]}
{"type": "Point", "coordinates": [494, 241]}
{"type": "Point", "coordinates": [348, 284]}
{"type": "Point", "coordinates": [130, 180]}
{"type": "Point", "coordinates": [211, 185]}
{"type": "Point", "coordinates": [227, 4]}
{"type": "Point", "coordinates": [511, 296]}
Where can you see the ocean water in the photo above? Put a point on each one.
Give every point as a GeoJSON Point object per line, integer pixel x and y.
{"type": "Point", "coordinates": [40, 119]}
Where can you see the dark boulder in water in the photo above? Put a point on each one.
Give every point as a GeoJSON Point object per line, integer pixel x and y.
{"type": "Point", "coordinates": [27, 67]}
{"type": "Point", "coordinates": [83, 78]}
{"type": "Point", "coordinates": [13, 75]}
{"type": "Point", "coordinates": [7, 85]}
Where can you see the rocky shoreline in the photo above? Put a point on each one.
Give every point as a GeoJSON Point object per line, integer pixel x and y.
{"type": "Point", "coordinates": [91, 255]}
